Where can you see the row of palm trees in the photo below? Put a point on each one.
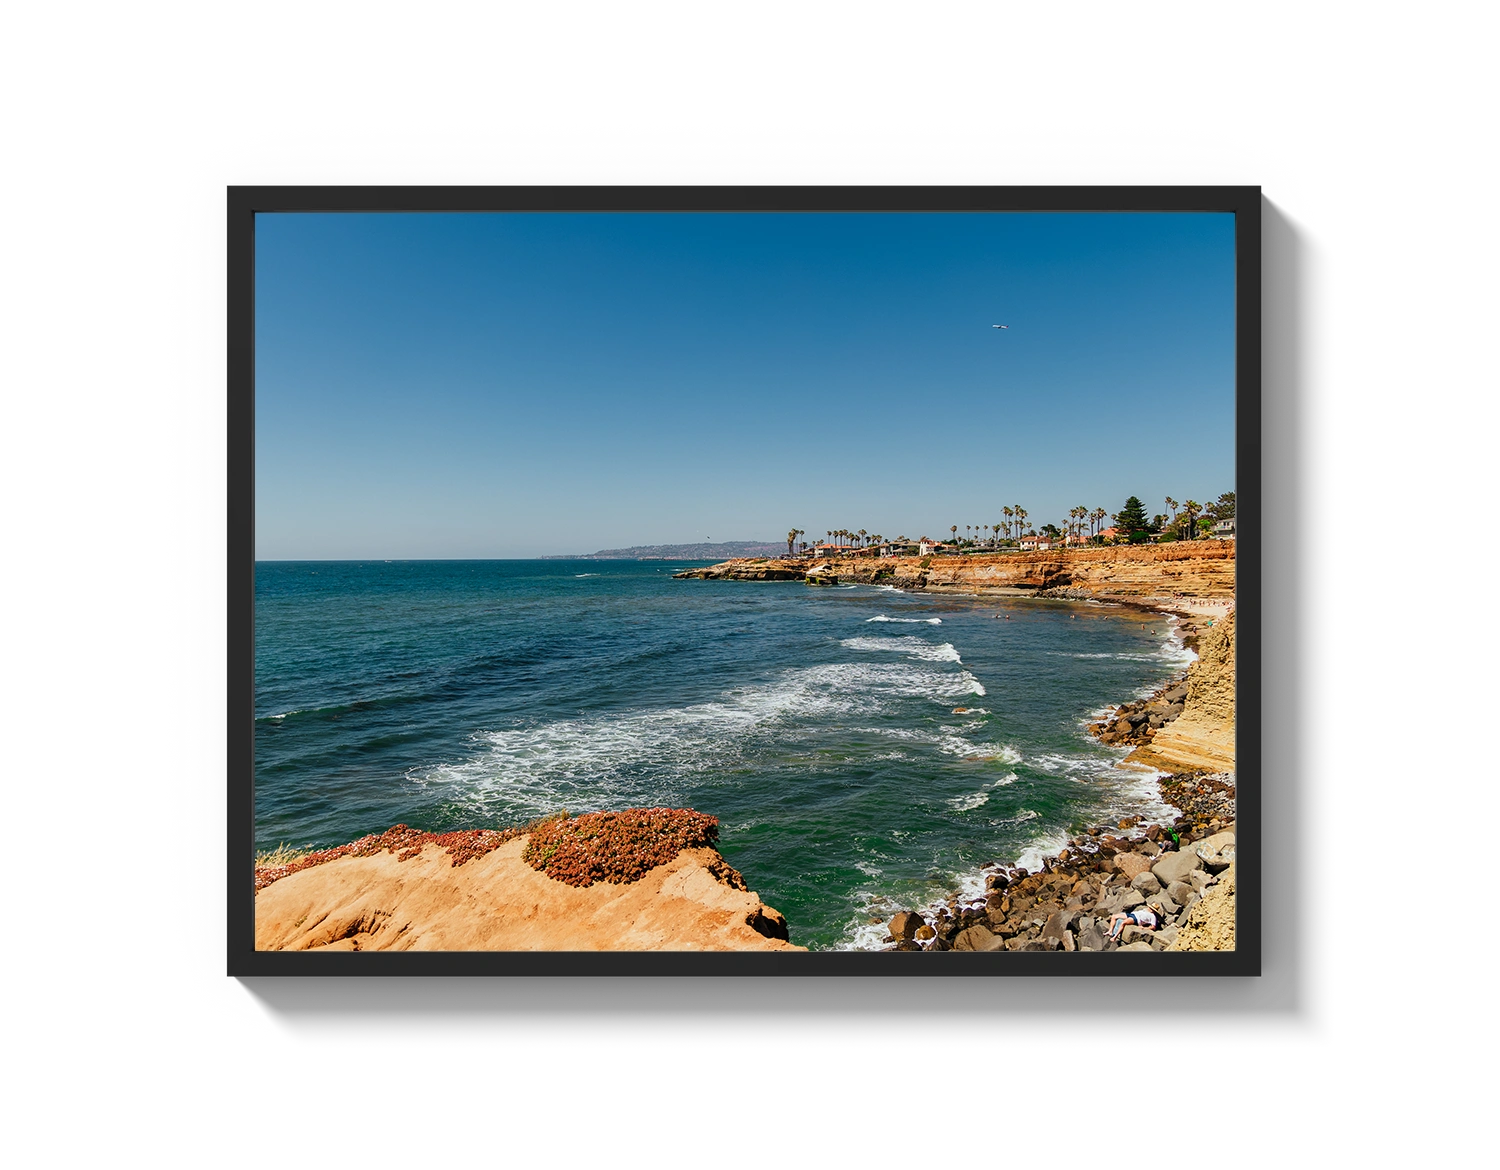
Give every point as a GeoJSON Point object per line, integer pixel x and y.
{"type": "Point", "coordinates": [1080, 520]}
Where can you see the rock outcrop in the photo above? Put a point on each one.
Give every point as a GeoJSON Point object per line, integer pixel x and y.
{"type": "Point", "coordinates": [1210, 924]}
{"type": "Point", "coordinates": [497, 902]}
{"type": "Point", "coordinates": [1202, 734]}
{"type": "Point", "coordinates": [1190, 569]}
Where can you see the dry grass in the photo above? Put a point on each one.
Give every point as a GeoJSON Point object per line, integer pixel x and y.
{"type": "Point", "coordinates": [283, 854]}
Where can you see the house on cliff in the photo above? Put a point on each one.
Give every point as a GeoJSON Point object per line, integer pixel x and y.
{"type": "Point", "coordinates": [927, 546]}
{"type": "Point", "coordinates": [1224, 529]}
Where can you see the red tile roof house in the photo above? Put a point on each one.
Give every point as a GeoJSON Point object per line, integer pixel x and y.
{"type": "Point", "coordinates": [926, 546]}
{"type": "Point", "coordinates": [1033, 543]}
{"type": "Point", "coordinates": [1110, 533]}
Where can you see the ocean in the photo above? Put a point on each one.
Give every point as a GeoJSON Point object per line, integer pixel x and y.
{"type": "Point", "coordinates": [865, 750]}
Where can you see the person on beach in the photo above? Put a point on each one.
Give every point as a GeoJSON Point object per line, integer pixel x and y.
{"type": "Point", "coordinates": [1140, 916]}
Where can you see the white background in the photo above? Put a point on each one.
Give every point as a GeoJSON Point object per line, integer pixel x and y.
{"type": "Point", "coordinates": [1371, 129]}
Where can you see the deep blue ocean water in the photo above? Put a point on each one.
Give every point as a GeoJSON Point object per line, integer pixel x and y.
{"type": "Point", "coordinates": [864, 749]}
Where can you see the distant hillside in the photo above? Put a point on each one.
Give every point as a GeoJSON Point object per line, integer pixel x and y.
{"type": "Point", "coordinates": [721, 551]}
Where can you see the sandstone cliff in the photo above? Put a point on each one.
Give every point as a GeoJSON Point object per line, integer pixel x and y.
{"type": "Point", "coordinates": [1194, 569]}
{"type": "Point", "coordinates": [1210, 924]}
{"type": "Point", "coordinates": [1202, 736]}
{"type": "Point", "coordinates": [497, 902]}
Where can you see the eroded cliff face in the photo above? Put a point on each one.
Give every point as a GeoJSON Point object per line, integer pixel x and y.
{"type": "Point", "coordinates": [499, 903]}
{"type": "Point", "coordinates": [1202, 736]}
{"type": "Point", "coordinates": [1194, 569]}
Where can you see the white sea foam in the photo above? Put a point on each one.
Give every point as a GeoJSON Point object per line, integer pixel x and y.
{"type": "Point", "coordinates": [647, 754]}
{"type": "Point", "coordinates": [880, 617]}
{"type": "Point", "coordinates": [968, 801]}
{"type": "Point", "coordinates": [578, 575]}
{"type": "Point", "coordinates": [911, 646]}
{"type": "Point", "coordinates": [868, 869]}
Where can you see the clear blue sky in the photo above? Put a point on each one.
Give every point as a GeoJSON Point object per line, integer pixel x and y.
{"type": "Point", "coordinates": [513, 385]}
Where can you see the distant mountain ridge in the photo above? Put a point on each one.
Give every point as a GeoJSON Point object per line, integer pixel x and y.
{"type": "Point", "coordinates": [720, 551]}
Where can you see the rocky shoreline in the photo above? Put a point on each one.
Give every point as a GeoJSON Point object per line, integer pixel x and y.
{"type": "Point", "coordinates": [1182, 871]}
{"type": "Point", "coordinates": [1199, 570]}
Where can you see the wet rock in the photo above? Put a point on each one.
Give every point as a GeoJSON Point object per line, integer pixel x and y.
{"type": "Point", "coordinates": [904, 925]}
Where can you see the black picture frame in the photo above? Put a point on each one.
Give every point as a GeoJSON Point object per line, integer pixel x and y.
{"type": "Point", "coordinates": [1284, 306]}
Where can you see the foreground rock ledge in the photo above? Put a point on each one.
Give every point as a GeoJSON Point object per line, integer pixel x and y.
{"type": "Point", "coordinates": [499, 903]}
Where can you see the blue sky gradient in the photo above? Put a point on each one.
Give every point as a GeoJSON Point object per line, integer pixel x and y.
{"type": "Point", "coordinates": [515, 385]}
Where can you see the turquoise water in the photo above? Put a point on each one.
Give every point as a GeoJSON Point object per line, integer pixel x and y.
{"type": "Point", "coordinates": [818, 725]}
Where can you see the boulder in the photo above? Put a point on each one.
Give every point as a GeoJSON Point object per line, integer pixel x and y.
{"type": "Point", "coordinates": [904, 925]}
{"type": "Point", "coordinates": [1217, 841]}
{"type": "Point", "coordinates": [1175, 867]}
{"type": "Point", "coordinates": [924, 932]}
{"type": "Point", "coordinates": [1180, 892]}
{"type": "Point", "coordinates": [1137, 946]}
{"type": "Point", "coordinates": [977, 938]}
{"type": "Point", "coordinates": [1130, 934]}
{"type": "Point", "coordinates": [1200, 880]}
{"type": "Point", "coordinates": [1146, 882]}
{"type": "Point", "coordinates": [1167, 936]}
{"type": "Point", "coordinates": [1217, 862]}
{"type": "Point", "coordinates": [1090, 938]}
{"type": "Point", "coordinates": [1057, 926]}
{"type": "Point", "coordinates": [1129, 864]}
{"type": "Point", "coordinates": [1163, 905]}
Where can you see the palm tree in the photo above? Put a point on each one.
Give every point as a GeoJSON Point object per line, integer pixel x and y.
{"type": "Point", "coordinates": [953, 528]}
{"type": "Point", "coordinates": [1098, 518]}
{"type": "Point", "coordinates": [791, 539]}
{"type": "Point", "coordinates": [862, 535]}
{"type": "Point", "coordinates": [1008, 512]}
{"type": "Point", "coordinates": [1020, 520]}
{"type": "Point", "coordinates": [1173, 505]}
{"type": "Point", "coordinates": [1190, 509]}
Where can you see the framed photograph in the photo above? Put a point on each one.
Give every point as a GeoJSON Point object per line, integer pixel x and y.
{"type": "Point", "coordinates": [739, 581]}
